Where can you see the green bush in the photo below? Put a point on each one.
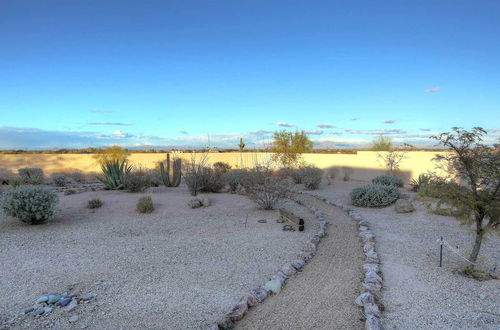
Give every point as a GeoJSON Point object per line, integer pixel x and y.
{"type": "Point", "coordinates": [30, 204]}
{"type": "Point", "coordinates": [212, 180]}
{"type": "Point", "coordinates": [137, 181]}
{"type": "Point", "coordinates": [94, 203]}
{"type": "Point", "coordinates": [437, 187]}
{"type": "Point", "coordinates": [236, 179]}
{"type": "Point", "coordinates": [59, 179]}
{"type": "Point", "coordinates": [145, 204]}
{"type": "Point", "coordinates": [32, 176]}
{"type": "Point", "coordinates": [311, 177]}
{"type": "Point", "coordinates": [374, 195]}
{"type": "Point", "coordinates": [388, 180]}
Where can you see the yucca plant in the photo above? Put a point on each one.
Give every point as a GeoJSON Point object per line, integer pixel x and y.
{"type": "Point", "coordinates": [422, 180]}
{"type": "Point", "coordinates": [114, 172]}
{"type": "Point", "coordinates": [175, 180]}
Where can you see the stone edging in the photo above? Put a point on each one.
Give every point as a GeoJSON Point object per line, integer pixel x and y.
{"type": "Point", "coordinates": [277, 281]}
{"type": "Point", "coordinates": [369, 299]}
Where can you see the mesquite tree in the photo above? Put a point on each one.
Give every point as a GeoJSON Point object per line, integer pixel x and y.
{"type": "Point", "coordinates": [477, 167]}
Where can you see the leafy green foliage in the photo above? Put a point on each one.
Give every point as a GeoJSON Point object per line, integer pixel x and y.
{"type": "Point", "coordinates": [388, 180]}
{"type": "Point", "coordinates": [374, 195]}
{"type": "Point", "coordinates": [94, 203]}
{"type": "Point", "coordinates": [114, 172]}
{"type": "Point", "coordinates": [30, 204]}
{"type": "Point", "coordinates": [287, 147]}
{"type": "Point", "coordinates": [145, 205]}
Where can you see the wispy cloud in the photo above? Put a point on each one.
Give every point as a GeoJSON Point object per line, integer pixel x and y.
{"type": "Point", "coordinates": [183, 132]}
{"type": "Point", "coordinates": [100, 111]}
{"type": "Point", "coordinates": [433, 89]}
{"type": "Point", "coordinates": [325, 125]}
{"type": "Point", "coordinates": [120, 134]}
{"type": "Point", "coordinates": [389, 121]}
{"type": "Point", "coordinates": [108, 123]}
{"type": "Point", "coordinates": [356, 118]}
{"type": "Point", "coordinates": [260, 132]}
{"type": "Point", "coordinates": [376, 131]}
{"type": "Point", "coordinates": [314, 131]}
{"type": "Point", "coordinates": [285, 124]}
{"type": "Point", "coordinates": [425, 129]}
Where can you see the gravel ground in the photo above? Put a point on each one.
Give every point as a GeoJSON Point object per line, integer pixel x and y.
{"type": "Point", "coordinates": [322, 295]}
{"type": "Point", "coordinates": [177, 268]}
{"type": "Point", "coordinates": [417, 293]}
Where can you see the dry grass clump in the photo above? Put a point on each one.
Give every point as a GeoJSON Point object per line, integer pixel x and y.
{"type": "Point", "coordinates": [94, 203]}
{"type": "Point", "coordinates": [145, 205]}
{"type": "Point", "coordinates": [269, 193]}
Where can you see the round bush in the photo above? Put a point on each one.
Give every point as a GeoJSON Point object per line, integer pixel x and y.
{"type": "Point", "coordinates": [311, 177]}
{"type": "Point", "coordinates": [388, 180]}
{"type": "Point", "coordinates": [30, 204]}
{"type": "Point", "coordinates": [374, 195]}
{"type": "Point", "coordinates": [59, 179]}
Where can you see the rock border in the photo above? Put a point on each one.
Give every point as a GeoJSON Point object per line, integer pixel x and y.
{"type": "Point", "coordinates": [369, 299]}
{"type": "Point", "coordinates": [277, 281]}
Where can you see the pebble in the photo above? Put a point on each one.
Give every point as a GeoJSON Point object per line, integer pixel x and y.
{"type": "Point", "coordinates": [73, 318]}
{"type": "Point", "coordinates": [89, 296]}
{"type": "Point", "coordinates": [64, 301]}
{"type": "Point", "coordinates": [42, 299]}
{"type": "Point", "coordinates": [29, 310]}
{"type": "Point", "coordinates": [39, 311]}
{"type": "Point", "coordinates": [72, 305]}
{"type": "Point", "coordinates": [273, 286]}
{"type": "Point", "coordinates": [53, 299]}
{"type": "Point", "coordinates": [47, 310]}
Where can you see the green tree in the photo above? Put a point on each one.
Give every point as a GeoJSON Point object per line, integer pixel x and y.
{"type": "Point", "coordinates": [477, 167]}
{"type": "Point", "coordinates": [288, 147]}
{"type": "Point", "coordinates": [381, 143]}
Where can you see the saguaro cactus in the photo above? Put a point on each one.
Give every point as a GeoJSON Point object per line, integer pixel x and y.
{"type": "Point", "coordinates": [175, 180]}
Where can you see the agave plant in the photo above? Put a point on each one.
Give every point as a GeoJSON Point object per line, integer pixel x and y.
{"type": "Point", "coordinates": [114, 172]}
{"type": "Point", "coordinates": [175, 180]}
{"type": "Point", "coordinates": [422, 180]}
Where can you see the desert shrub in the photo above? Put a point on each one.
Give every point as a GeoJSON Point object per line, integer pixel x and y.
{"type": "Point", "coordinates": [114, 172]}
{"type": "Point", "coordinates": [212, 180]}
{"type": "Point", "coordinates": [374, 195]}
{"type": "Point", "coordinates": [137, 181]}
{"type": "Point", "coordinates": [94, 203]}
{"type": "Point", "coordinates": [348, 171]}
{"type": "Point", "coordinates": [285, 172]}
{"type": "Point", "coordinates": [221, 167]}
{"type": "Point", "coordinates": [30, 204]}
{"type": "Point", "coordinates": [154, 177]}
{"type": "Point", "coordinates": [5, 175]}
{"type": "Point", "coordinates": [331, 174]}
{"type": "Point", "coordinates": [436, 187]}
{"type": "Point", "coordinates": [422, 180]}
{"type": "Point", "coordinates": [59, 179]}
{"type": "Point", "coordinates": [76, 175]}
{"type": "Point", "coordinates": [31, 176]}
{"type": "Point", "coordinates": [311, 177]}
{"type": "Point", "coordinates": [145, 204]}
{"type": "Point", "coordinates": [268, 193]}
{"type": "Point", "coordinates": [288, 147]}
{"type": "Point", "coordinates": [193, 172]}
{"type": "Point", "coordinates": [388, 180]}
{"type": "Point", "coordinates": [16, 181]}
{"type": "Point", "coordinates": [236, 179]}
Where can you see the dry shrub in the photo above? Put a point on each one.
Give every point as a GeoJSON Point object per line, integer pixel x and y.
{"type": "Point", "coordinates": [137, 181]}
{"type": "Point", "coordinates": [269, 193]}
{"type": "Point", "coordinates": [145, 204]}
{"type": "Point", "coordinates": [94, 203]}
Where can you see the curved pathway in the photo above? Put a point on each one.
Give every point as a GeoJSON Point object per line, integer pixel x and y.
{"type": "Point", "coordinates": [322, 295]}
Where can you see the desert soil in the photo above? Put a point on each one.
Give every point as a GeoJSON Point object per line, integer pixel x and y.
{"type": "Point", "coordinates": [417, 293]}
{"type": "Point", "coordinates": [322, 295]}
{"type": "Point", "coordinates": [177, 268]}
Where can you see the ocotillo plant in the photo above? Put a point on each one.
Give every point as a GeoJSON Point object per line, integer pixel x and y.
{"type": "Point", "coordinates": [175, 180]}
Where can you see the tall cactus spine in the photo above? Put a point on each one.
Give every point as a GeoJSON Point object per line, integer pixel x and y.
{"type": "Point", "coordinates": [175, 180]}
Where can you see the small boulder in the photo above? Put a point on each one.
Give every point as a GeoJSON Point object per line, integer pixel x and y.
{"type": "Point", "coordinates": [298, 263]}
{"type": "Point", "coordinates": [288, 269]}
{"type": "Point", "coordinates": [73, 318]}
{"type": "Point", "coordinates": [42, 299]}
{"type": "Point", "coordinates": [205, 202]}
{"type": "Point", "coordinates": [238, 311]}
{"type": "Point", "coordinates": [403, 206]}
{"type": "Point", "coordinates": [273, 286]}
{"type": "Point", "coordinates": [260, 294]}
{"type": "Point", "coordinates": [195, 203]}
{"type": "Point", "coordinates": [71, 306]}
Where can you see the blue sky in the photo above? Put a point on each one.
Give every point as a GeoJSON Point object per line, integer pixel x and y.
{"type": "Point", "coordinates": [169, 73]}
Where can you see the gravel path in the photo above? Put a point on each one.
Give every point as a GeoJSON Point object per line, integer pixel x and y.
{"type": "Point", "coordinates": [417, 293]}
{"type": "Point", "coordinates": [177, 268]}
{"type": "Point", "coordinates": [322, 295]}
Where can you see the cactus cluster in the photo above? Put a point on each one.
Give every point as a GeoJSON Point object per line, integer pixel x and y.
{"type": "Point", "coordinates": [175, 179]}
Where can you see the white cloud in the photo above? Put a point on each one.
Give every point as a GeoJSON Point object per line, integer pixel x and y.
{"type": "Point", "coordinates": [433, 89]}
{"type": "Point", "coordinates": [389, 121]}
{"type": "Point", "coordinates": [356, 118]}
{"type": "Point", "coordinates": [325, 125]}
{"type": "Point", "coordinates": [285, 124]}
{"type": "Point", "coordinates": [314, 131]}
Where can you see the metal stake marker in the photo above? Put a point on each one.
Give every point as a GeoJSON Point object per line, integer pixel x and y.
{"type": "Point", "coordinates": [441, 252]}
